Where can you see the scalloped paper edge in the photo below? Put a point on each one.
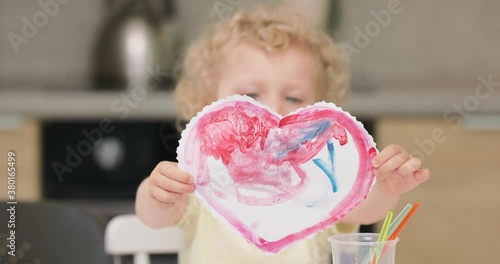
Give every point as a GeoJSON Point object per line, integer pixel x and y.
{"type": "Point", "coordinates": [222, 219]}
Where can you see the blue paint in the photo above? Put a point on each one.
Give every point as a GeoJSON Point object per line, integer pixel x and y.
{"type": "Point", "coordinates": [312, 132]}
{"type": "Point", "coordinates": [321, 127]}
{"type": "Point", "coordinates": [329, 169]}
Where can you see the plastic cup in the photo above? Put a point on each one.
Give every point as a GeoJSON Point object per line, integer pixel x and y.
{"type": "Point", "coordinates": [359, 248]}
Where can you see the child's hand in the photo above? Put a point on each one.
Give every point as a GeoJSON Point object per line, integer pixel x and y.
{"type": "Point", "coordinates": [397, 171]}
{"type": "Point", "coordinates": [168, 184]}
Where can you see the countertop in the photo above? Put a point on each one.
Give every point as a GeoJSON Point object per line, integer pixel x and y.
{"type": "Point", "coordinates": [421, 100]}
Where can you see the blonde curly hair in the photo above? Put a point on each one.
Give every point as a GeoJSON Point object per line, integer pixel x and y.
{"type": "Point", "coordinates": [271, 28]}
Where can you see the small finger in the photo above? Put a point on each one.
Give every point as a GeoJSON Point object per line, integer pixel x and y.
{"type": "Point", "coordinates": [410, 166]}
{"type": "Point", "coordinates": [173, 186]}
{"type": "Point", "coordinates": [393, 163]}
{"type": "Point", "coordinates": [422, 175]}
{"type": "Point", "coordinates": [386, 154]}
{"type": "Point", "coordinates": [160, 204]}
{"type": "Point", "coordinates": [164, 196]}
{"type": "Point", "coordinates": [172, 171]}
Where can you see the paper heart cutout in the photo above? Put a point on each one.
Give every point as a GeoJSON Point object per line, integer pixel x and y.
{"type": "Point", "coordinates": [277, 180]}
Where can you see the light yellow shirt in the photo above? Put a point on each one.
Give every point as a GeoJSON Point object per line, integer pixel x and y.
{"type": "Point", "coordinates": [208, 240]}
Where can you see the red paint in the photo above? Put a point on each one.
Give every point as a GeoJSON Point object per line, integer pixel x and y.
{"type": "Point", "coordinates": [246, 144]}
{"type": "Point", "coordinates": [264, 153]}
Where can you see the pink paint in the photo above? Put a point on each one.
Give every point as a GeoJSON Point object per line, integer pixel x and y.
{"type": "Point", "coordinates": [240, 138]}
{"type": "Point", "coordinates": [263, 153]}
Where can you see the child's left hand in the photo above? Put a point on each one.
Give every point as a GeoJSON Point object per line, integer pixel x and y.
{"type": "Point", "coordinates": [397, 171]}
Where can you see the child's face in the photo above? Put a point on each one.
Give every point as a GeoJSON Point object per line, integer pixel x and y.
{"type": "Point", "coordinates": [283, 80]}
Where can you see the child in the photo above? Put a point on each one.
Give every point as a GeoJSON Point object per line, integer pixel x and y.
{"type": "Point", "coordinates": [272, 56]}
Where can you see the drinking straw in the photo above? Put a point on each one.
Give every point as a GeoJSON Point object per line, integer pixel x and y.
{"type": "Point", "coordinates": [405, 221]}
{"type": "Point", "coordinates": [385, 227]}
{"type": "Point", "coordinates": [397, 226]}
{"type": "Point", "coordinates": [382, 237]}
{"type": "Point", "coordinates": [398, 219]}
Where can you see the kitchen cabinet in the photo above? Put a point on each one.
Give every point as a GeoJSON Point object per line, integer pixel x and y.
{"type": "Point", "coordinates": [21, 135]}
{"type": "Point", "coordinates": [458, 221]}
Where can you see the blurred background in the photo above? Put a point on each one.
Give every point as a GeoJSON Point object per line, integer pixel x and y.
{"type": "Point", "coordinates": [86, 102]}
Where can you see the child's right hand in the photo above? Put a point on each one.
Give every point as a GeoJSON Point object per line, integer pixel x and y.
{"type": "Point", "coordinates": [168, 184]}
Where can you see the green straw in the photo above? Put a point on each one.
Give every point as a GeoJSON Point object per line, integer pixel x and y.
{"type": "Point", "coordinates": [398, 219]}
{"type": "Point", "coordinates": [375, 253]}
{"type": "Point", "coordinates": [382, 237]}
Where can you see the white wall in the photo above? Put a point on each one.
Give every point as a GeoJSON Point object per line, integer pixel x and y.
{"type": "Point", "coordinates": [58, 55]}
{"type": "Point", "coordinates": [447, 39]}
{"type": "Point", "coordinates": [454, 39]}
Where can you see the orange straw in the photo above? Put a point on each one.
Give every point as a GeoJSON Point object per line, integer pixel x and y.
{"type": "Point", "coordinates": [405, 221]}
{"type": "Point", "coordinates": [402, 225]}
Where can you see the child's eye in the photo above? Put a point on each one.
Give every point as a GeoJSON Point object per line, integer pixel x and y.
{"type": "Point", "coordinates": [293, 100]}
{"type": "Point", "coordinates": [253, 95]}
